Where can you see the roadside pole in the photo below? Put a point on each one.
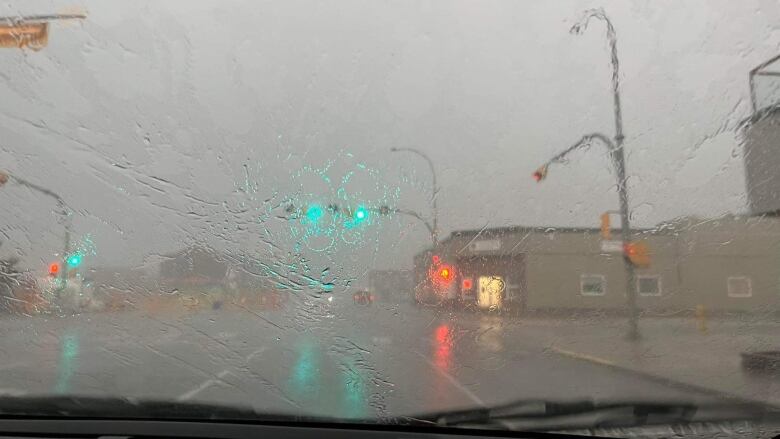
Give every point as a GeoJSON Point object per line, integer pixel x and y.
{"type": "Point", "coordinates": [617, 154]}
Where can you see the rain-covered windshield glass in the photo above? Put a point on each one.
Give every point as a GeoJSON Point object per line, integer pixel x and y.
{"type": "Point", "coordinates": [367, 210]}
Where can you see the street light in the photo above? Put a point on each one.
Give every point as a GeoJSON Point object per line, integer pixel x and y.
{"type": "Point", "coordinates": [4, 178]}
{"type": "Point", "coordinates": [617, 154]}
{"type": "Point", "coordinates": [434, 192]}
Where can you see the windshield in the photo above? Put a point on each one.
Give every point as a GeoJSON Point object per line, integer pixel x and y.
{"type": "Point", "coordinates": [368, 210]}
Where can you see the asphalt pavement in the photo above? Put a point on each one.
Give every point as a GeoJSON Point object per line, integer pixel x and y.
{"type": "Point", "coordinates": [311, 357]}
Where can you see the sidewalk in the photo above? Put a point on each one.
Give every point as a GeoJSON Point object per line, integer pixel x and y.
{"type": "Point", "coordinates": [672, 349]}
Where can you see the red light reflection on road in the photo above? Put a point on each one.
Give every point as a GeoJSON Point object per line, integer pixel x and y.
{"type": "Point", "coordinates": [442, 355]}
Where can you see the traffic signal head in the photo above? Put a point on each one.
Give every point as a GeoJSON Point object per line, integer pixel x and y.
{"type": "Point", "coordinates": [442, 275]}
{"type": "Point", "coordinates": [637, 253]}
{"type": "Point", "coordinates": [32, 35]}
{"type": "Point", "coordinates": [54, 269]}
{"type": "Point", "coordinates": [606, 232]}
{"type": "Point", "coordinates": [540, 173]}
{"type": "Point", "coordinates": [314, 212]}
{"type": "Point", "coordinates": [74, 260]}
{"type": "Point", "coordinates": [361, 214]}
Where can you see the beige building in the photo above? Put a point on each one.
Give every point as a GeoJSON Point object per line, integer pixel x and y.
{"type": "Point", "coordinates": [724, 264]}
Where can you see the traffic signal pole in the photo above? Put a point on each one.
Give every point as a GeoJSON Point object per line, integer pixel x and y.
{"type": "Point", "coordinates": [32, 31]}
{"type": "Point", "coordinates": [65, 217]}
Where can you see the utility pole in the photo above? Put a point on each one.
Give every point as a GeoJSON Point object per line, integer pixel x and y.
{"type": "Point", "coordinates": [617, 153]}
{"type": "Point", "coordinates": [63, 212]}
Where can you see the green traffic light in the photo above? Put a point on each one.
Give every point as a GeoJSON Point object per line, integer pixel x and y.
{"type": "Point", "coordinates": [74, 261]}
{"type": "Point", "coordinates": [314, 213]}
{"type": "Point", "coordinates": [361, 214]}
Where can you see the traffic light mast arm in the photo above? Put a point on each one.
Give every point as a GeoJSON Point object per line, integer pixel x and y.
{"type": "Point", "coordinates": [64, 212]}
{"type": "Point", "coordinates": [416, 215]}
{"type": "Point", "coordinates": [411, 213]}
{"type": "Point", "coordinates": [434, 192]}
{"type": "Point", "coordinates": [35, 187]}
{"type": "Point", "coordinates": [39, 18]}
{"type": "Point", "coordinates": [60, 202]}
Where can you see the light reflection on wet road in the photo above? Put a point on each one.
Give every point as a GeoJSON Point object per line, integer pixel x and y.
{"type": "Point", "coordinates": [363, 362]}
{"type": "Point", "coordinates": [69, 353]}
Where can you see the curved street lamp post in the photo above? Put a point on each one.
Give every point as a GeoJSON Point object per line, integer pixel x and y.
{"type": "Point", "coordinates": [433, 229]}
{"type": "Point", "coordinates": [616, 152]}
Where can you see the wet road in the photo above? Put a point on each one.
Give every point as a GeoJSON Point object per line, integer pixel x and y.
{"type": "Point", "coordinates": [341, 360]}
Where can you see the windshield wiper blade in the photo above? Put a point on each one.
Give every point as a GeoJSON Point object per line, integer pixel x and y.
{"type": "Point", "coordinates": [590, 413]}
{"type": "Point", "coordinates": [128, 408]}
{"type": "Point", "coordinates": [103, 407]}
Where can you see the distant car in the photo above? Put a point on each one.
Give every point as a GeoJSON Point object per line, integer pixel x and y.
{"type": "Point", "coordinates": [363, 297]}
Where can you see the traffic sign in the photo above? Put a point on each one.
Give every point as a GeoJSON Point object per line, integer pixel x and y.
{"type": "Point", "coordinates": [612, 246]}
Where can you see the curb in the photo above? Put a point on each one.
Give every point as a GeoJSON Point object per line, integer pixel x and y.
{"type": "Point", "coordinates": [659, 378]}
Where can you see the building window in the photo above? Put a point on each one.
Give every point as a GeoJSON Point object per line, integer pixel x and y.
{"type": "Point", "coordinates": [648, 284]}
{"type": "Point", "coordinates": [739, 286]}
{"type": "Point", "coordinates": [593, 285]}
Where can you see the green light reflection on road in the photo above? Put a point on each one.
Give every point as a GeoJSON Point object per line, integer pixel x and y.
{"type": "Point", "coordinates": [69, 352]}
{"type": "Point", "coordinates": [304, 381]}
{"type": "Point", "coordinates": [354, 387]}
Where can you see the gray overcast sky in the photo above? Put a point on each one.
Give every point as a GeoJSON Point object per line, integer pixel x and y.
{"type": "Point", "coordinates": [168, 122]}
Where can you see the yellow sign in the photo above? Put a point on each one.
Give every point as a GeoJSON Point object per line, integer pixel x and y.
{"type": "Point", "coordinates": [606, 233]}
{"type": "Point", "coordinates": [22, 35]}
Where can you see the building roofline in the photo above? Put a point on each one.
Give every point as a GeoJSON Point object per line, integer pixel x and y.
{"type": "Point", "coordinates": [550, 229]}
{"type": "Point", "coordinates": [669, 227]}
{"type": "Point", "coordinates": [757, 116]}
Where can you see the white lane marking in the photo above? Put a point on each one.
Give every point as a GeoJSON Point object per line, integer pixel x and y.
{"type": "Point", "coordinates": [460, 386]}
{"type": "Point", "coordinates": [203, 386]}
{"type": "Point", "coordinates": [257, 352]}
{"type": "Point", "coordinates": [210, 382]}
{"type": "Point", "coordinates": [579, 356]}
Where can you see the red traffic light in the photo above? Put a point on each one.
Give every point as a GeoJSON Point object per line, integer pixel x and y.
{"type": "Point", "coordinates": [467, 284]}
{"type": "Point", "coordinates": [442, 275]}
{"type": "Point", "coordinates": [638, 253]}
{"type": "Point", "coordinates": [540, 173]}
{"type": "Point", "coordinates": [54, 268]}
